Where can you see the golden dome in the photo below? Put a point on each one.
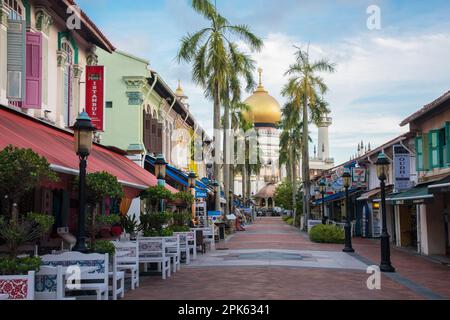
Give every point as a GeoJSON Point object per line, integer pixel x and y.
{"type": "Point", "coordinates": [264, 109]}
{"type": "Point", "coordinates": [179, 92]}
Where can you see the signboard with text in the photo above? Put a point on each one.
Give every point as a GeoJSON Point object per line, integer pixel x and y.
{"type": "Point", "coordinates": [95, 100]}
{"type": "Point", "coordinates": [402, 169]}
{"type": "Point", "coordinates": [359, 178]}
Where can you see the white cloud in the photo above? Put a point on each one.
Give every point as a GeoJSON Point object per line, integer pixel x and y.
{"type": "Point", "coordinates": [376, 71]}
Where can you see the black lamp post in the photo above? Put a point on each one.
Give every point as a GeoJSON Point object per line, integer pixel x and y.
{"type": "Point", "coordinates": [322, 187]}
{"type": "Point", "coordinates": [382, 172]}
{"type": "Point", "coordinates": [83, 136]}
{"type": "Point", "coordinates": [192, 177]}
{"type": "Point", "coordinates": [348, 226]}
{"type": "Point", "coordinates": [160, 169]}
{"type": "Point", "coordinates": [160, 173]}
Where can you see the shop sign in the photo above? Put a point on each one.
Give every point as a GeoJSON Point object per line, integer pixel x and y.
{"type": "Point", "coordinates": [402, 169]}
{"type": "Point", "coordinates": [95, 100]}
{"type": "Point", "coordinates": [201, 194]}
{"type": "Point", "coordinates": [359, 178]}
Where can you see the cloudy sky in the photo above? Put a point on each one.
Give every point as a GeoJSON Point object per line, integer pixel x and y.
{"type": "Point", "coordinates": [383, 75]}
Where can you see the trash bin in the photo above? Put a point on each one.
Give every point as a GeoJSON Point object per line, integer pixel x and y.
{"type": "Point", "coordinates": [222, 231]}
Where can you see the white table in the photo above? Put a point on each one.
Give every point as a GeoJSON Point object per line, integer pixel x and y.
{"type": "Point", "coordinates": [4, 297]}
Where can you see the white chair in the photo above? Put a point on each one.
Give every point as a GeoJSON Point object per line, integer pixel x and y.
{"type": "Point", "coordinates": [127, 257]}
{"type": "Point", "coordinates": [192, 244]}
{"type": "Point", "coordinates": [184, 246]}
{"type": "Point", "coordinates": [118, 281]}
{"type": "Point", "coordinates": [173, 251]}
{"type": "Point", "coordinates": [153, 250]}
{"type": "Point", "coordinates": [208, 236]}
{"type": "Point", "coordinates": [96, 279]}
{"type": "Point", "coordinates": [187, 243]}
{"type": "Point", "coordinates": [18, 287]}
{"type": "Point", "coordinates": [49, 284]}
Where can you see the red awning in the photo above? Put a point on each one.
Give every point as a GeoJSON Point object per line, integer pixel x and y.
{"type": "Point", "coordinates": [56, 146]}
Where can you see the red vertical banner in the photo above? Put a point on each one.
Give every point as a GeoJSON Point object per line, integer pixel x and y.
{"type": "Point", "coordinates": [95, 100]}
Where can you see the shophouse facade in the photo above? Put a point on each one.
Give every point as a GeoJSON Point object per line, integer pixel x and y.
{"type": "Point", "coordinates": [46, 52]}
{"type": "Point", "coordinates": [430, 127]}
{"type": "Point", "coordinates": [145, 117]}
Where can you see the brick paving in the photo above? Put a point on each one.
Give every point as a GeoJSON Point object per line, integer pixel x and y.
{"type": "Point", "coordinates": [287, 283]}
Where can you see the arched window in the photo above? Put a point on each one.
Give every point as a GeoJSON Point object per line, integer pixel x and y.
{"type": "Point", "coordinates": [17, 11]}
{"type": "Point", "coordinates": [68, 83]}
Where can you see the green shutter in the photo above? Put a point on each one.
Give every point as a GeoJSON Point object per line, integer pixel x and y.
{"type": "Point", "coordinates": [435, 149]}
{"type": "Point", "coordinates": [16, 60]}
{"type": "Point", "coordinates": [419, 154]}
{"type": "Point", "coordinates": [426, 152]}
{"type": "Point", "coordinates": [447, 142]}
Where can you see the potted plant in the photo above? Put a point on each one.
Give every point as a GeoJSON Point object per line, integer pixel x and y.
{"type": "Point", "coordinates": [155, 224]}
{"type": "Point", "coordinates": [130, 225]}
{"type": "Point", "coordinates": [154, 196]}
{"type": "Point", "coordinates": [180, 221]}
{"type": "Point", "coordinates": [21, 171]}
{"type": "Point", "coordinates": [100, 185]}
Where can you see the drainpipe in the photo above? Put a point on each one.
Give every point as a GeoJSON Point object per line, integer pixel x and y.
{"type": "Point", "coordinates": [141, 116]}
{"type": "Point", "coordinates": [407, 149]}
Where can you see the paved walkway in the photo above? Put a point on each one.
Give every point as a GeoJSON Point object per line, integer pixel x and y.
{"type": "Point", "coordinates": [272, 260]}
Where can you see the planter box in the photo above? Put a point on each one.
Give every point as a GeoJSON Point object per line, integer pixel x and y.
{"type": "Point", "coordinates": [18, 287]}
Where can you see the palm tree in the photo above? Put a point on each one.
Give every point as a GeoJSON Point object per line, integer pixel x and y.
{"type": "Point", "coordinates": [241, 67]}
{"type": "Point", "coordinates": [290, 146]}
{"type": "Point", "coordinates": [304, 88]}
{"type": "Point", "coordinates": [239, 123]}
{"type": "Point", "coordinates": [209, 50]}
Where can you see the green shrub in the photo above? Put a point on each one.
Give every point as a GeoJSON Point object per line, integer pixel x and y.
{"type": "Point", "coordinates": [327, 234]}
{"type": "Point", "coordinates": [104, 246]}
{"type": "Point", "coordinates": [181, 218]}
{"type": "Point", "coordinates": [290, 221]}
{"type": "Point", "coordinates": [180, 228]}
{"type": "Point", "coordinates": [154, 221]}
{"type": "Point", "coordinates": [167, 232]}
{"type": "Point", "coordinates": [19, 266]}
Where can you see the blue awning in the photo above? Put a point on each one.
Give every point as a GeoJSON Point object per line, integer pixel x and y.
{"type": "Point", "coordinates": [179, 176]}
{"type": "Point", "coordinates": [334, 197]}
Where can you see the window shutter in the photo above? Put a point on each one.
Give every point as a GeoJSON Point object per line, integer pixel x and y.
{"type": "Point", "coordinates": [16, 60]}
{"type": "Point", "coordinates": [147, 130]}
{"type": "Point", "coordinates": [435, 150]}
{"type": "Point", "coordinates": [426, 152]}
{"type": "Point", "coordinates": [159, 138]}
{"type": "Point", "coordinates": [33, 82]}
{"type": "Point", "coordinates": [447, 142]}
{"type": "Point", "coordinates": [419, 154]}
{"type": "Point", "coordinates": [154, 137]}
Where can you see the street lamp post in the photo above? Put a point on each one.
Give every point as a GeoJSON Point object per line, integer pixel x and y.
{"type": "Point", "coordinates": [83, 136]}
{"type": "Point", "coordinates": [382, 171]}
{"type": "Point", "coordinates": [160, 172]}
{"type": "Point", "coordinates": [322, 187]}
{"type": "Point", "coordinates": [348, 226]}
{"type": "Point", "coordinates": [191, 182]}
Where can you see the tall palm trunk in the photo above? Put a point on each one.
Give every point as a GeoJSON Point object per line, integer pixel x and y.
{"type": "Point", "coordinates": [217, 141]}
{"type": "Point", "coordinates": [244, 183]}
{"type": "Point", "coordinates": [293, 181]}
{"type": "Point", "coordinates": [305, 160]}
{"type": "Point", "coordinates": [232, 172]}
{"type": "Point", "coordinates": [226, 163]}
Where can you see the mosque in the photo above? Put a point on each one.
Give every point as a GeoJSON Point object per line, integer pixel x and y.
{"type": "Point", "coordinates": [265, 111]}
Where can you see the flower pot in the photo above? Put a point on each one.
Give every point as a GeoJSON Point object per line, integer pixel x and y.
{"type": "Point", "coordinates": [18, 287]}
